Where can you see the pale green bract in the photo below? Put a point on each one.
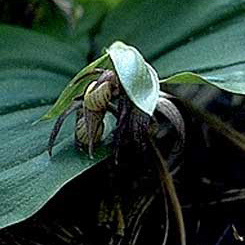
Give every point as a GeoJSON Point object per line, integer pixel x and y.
{"type": "Point", "coordinates": [137, 77]}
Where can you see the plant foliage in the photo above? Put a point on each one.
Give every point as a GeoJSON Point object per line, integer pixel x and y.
{"type": "Point", "coordinates": [174, 36]}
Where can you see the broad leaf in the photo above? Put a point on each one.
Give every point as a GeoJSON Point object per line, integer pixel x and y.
{"type": "Point", "coordinates": [177, 36]}
{"type": "Point", "coordinates": [28, 176]}
{"type": "Point", "coordinates": [218, 47]}
{"type": "Point", "coordinates": [33, 73]}
{"type": "Point", "coordinates": [185, 78]}
{"type": "Point", "coordinates": [232, 82]}
{"type": "Point", "coordinates": [231, 78]}
{"type": "Point", "coordinates": [34, 69]}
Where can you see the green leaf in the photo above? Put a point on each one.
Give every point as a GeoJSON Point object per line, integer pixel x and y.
{"type": "Point", "coordinates": [28, 176]}
{"type": "Point", "coordinates": [185, 78]}
{"type": "Point", "coordinates": [163, 26]}
{"type": "Point", "coordinates": [220, 47]}
{"type": "Point", "coordinates": [206, 38]}
{"type": "Point", "coordinates": [34, 69]}
{"type": "Point", "coordinates": [137, 77]}
{"type": "Point", "coordinates": [230, 82]}
{"type": "Point", "coordinates": [231, 78]}
{"type": "Point", "coordinates": [73, 89]}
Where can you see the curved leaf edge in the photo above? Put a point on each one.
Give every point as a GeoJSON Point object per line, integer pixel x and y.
{"type": "Point", "coordinates": [104, 151]}
{"type": "Point", "coordinates": [191, 78]}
